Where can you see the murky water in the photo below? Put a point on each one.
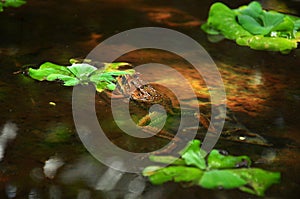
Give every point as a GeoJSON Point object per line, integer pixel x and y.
{"type": "Point", "coordinates": [263, 90]}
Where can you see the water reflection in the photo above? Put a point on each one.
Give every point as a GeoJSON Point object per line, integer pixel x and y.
{"type": "Point", "coordinates": [107, 181]}
{"type": "Point", "coordinates": [11, 190]}
{"type": "Point", "coordinates": [51, 166]}
{"type": "Point", "coordinates": [8, 133]}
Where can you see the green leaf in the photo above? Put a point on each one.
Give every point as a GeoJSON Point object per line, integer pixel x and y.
{"type": "Point", "coordinates": [160, 175]}
{"type": "Point", "coordinates": [254, 9]}
{"type": "Point", "coordinates": [54, 66]}
{"type": "Point", "coordinates": [101, 86]}
{"type": "Point", "coordinates": [271, 18]}
{"type": "Point", "coordinates": [258, 180]}
{"type": "Point", "coordinates": [47, 69]}
{"type": "Point", "coordinates": [215, 160]}
{"type": "Point", "coordinates": [257, 21]}
{"type": "Point", "coordinates": [223, 19]}
{"type": "Point", "coordinates": [209, 29]}
{"type": "Point", "coordinates": [297, 24]}
{"type": "Point", "coordinates": [193, 155]}
{"type": "Point", "coordinates": [221, 179]}
{"type": "Point", "coordinates": [252, 26]}
{"type": "Point", "coordinates": [68, 80]}
{"type": "Point", "coordinates": [223, 171]}
{"type": "Point", "coordinates": [111, 86]}
{"type": "Point", "coordinates": [167, 160]}
{"type": "Point", "coordinates": [99, 76]}
{"type": "Point", "coordinates": [82, 71]}
{"type": "Point", "coordinates": [285, 29]}
{"type": "Point", "coordinates": [12, 3]}
{"type": "Point", "coordinates": [268, 43]}
{"type": "Point", "coordinates": [108, 76]}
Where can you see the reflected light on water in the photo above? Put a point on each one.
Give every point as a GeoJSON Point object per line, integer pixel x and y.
{"type": "Point", "coordinates": [9, 132]}
{"type": "Point", "coordinates": [98, 178]}
{"type": "Point", "coordinates": [11, 191]}
{"type": "Point", "coordinates": [51, 166]}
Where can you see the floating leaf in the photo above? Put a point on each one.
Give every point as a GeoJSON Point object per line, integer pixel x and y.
{"type": "Point", "coordinates": [268, 43]}
{"type": "Point", "coordinates": [221, 179]}
{"type": "Point", "coordinates": [258, 180]}
{"type": "Point", "coordinates": [167, 160]}
{"type": "Point", "coordinates": [193, 155]}
{"type": "Point", "coordinates": [223, 20]}
{"type": "Point", "coordinates": [11, 3]}
{"type": "Point", "coordinates": [47, 69]}
{"type": "Point", "coordinates": [111, 86]}
{"type": "Point", "coordinates": [68, 80]}
{"type": "Point", "coordinates": [160, 175]}
{"type": "Point", "coordinates": [81, 73]}
{"type": "Point", "coordinates": [215, 160]}
{"type": "Point", "coordinates": [257, 21]}
{"type": "Point", "coordinates": [222, 171]}
{"type": "Point", "coordinates": [254, 27]}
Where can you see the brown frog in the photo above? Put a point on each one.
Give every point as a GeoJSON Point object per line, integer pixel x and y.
{"type": "Point", "coordinates": [145, 95]}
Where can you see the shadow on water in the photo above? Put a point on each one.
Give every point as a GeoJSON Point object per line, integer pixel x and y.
{"type": "Point", "coordinates": [47, 159]}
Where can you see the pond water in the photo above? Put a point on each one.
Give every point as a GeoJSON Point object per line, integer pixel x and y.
{"type": "Point", "coordinates": [262, 88]}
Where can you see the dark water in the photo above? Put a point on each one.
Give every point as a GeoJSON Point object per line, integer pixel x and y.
{"type": "Point", "coordinates": [263, 89]}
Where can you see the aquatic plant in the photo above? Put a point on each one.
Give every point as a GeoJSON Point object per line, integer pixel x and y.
{"type": "Point", "coordinates": [252, 26]}
{"type": "Point", "coordinates": [81, 73]}
{"type": "Point", "coordinates": [11, 3]}
{"type": "Point", "coordinates": [217, 170]}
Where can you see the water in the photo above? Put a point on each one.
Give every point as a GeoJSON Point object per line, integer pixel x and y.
{"type": "Point", "coordinates": [262, 88]}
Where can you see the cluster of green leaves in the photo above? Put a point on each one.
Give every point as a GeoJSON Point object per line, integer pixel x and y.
{"type": "Point", "coordinates": [252, 26]}
{"type": "Point", "coordinates": [11, 3]}
{"type": "Point", "coordinates": [81, 73]}
{"type": "Point", "coordinates": [214, 171]}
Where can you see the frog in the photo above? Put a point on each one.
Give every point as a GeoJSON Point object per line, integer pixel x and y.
{"type": "Point", "coordinates": [134, 89]}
